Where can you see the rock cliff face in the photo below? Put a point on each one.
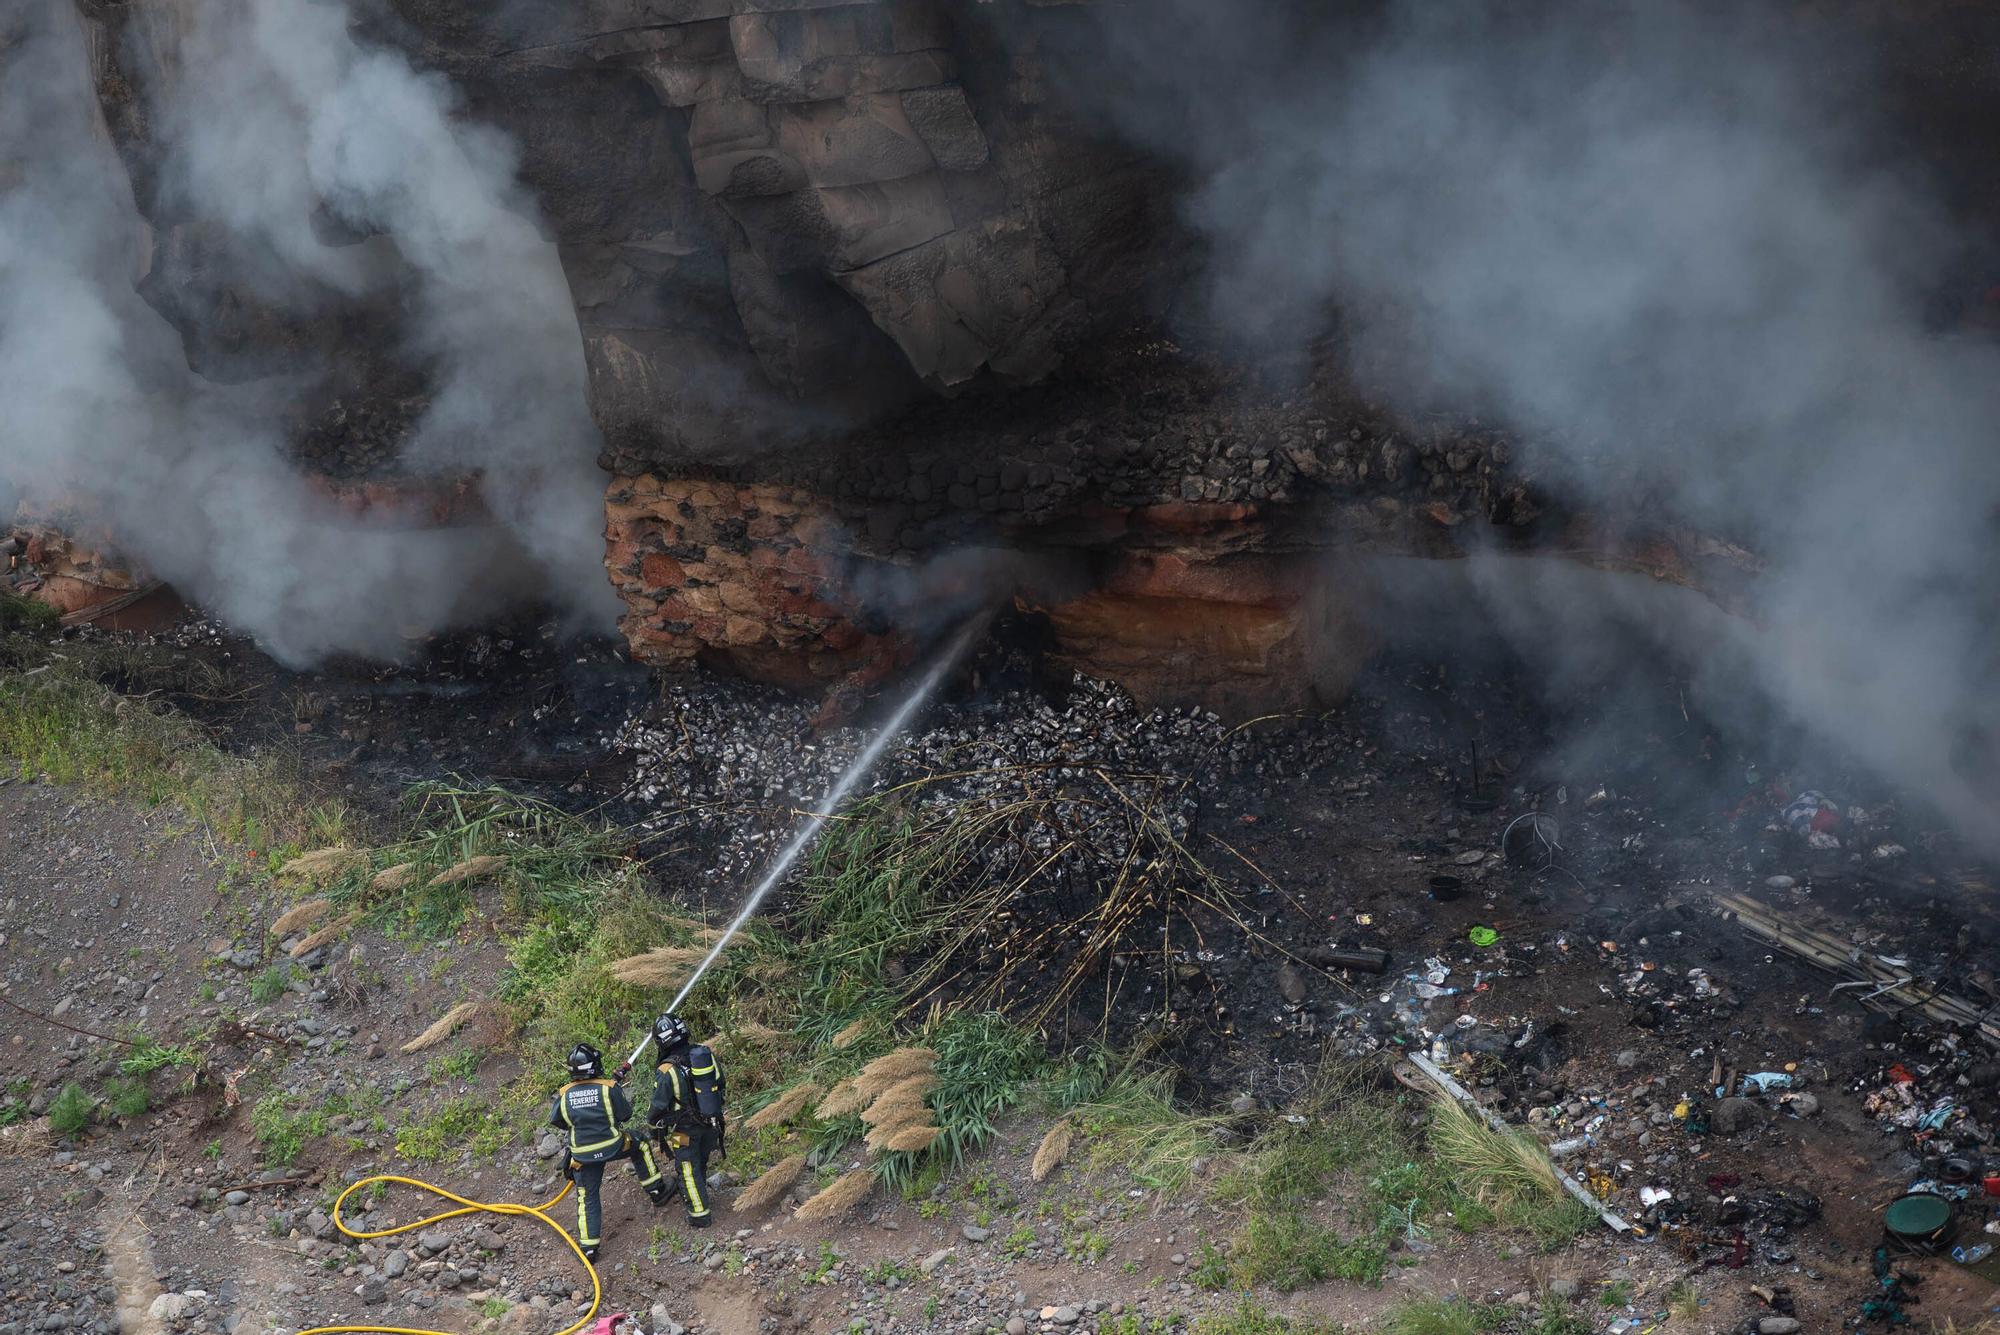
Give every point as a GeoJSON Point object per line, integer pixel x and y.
{"type": "Point", "coordinates": [859, 293]}
{"type": "Point", "coordinates": [781, 215]}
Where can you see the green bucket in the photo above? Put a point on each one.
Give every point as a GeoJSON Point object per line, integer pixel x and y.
{"type": "Point", "coordinates": [1919, 1219]}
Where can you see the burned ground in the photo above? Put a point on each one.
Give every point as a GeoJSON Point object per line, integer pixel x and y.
{"type": "Point", "coordinates": [1613, 1001]}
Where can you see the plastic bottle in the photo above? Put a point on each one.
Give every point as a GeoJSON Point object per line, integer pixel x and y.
{"type": "Point", "coordinates": [1972, 1255]}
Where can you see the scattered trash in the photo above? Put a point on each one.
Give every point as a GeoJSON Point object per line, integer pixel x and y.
{"type": "Point", "coordinates": [1368, 959]}
{"type": "Point", "coordinates": [1809, 813]}
{"type": "Point", "coordinates": [1763, 1082]}
{"type": "Point", "coordinates": [1483, 937]}
{"type": "Point", "coordinates": [1896, 1288]}
{"type": "Point", "coordinates": [1446, 888]}
{"type": "Point", "coordinates": [1891, 985]}
{"type": "Point", "coordinates": [1956, 1171]}
{"type": "Point", "coordinates": [1457, 1091]}
{"type": "Point", "coordinates": [1532, 840]}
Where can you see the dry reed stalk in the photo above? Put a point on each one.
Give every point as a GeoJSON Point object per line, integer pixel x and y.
{"type": "Point", "coordinates": [843, 1099]}
{"type": "Point", "coordinates": [330, 932]}
{"type": "Point", "coordinates": [783, 1108]}
{"type": "Point", "coordinates": [323, 865]}
{"type": "Point", "coordinates": [906, 1116]}
{"type": "Point", "coordinates": [300, 915]}
{"type": "Point", "coordinates": [846, 1192]}
{"type": "Point", "coordinates": [914, 1139]}
{"type": "Point", "coordinates": [846, 1037]}
{"type": "Point", "coordinates": [469, 870]}
{"type": "Point", "coordinates": [914, 1091]}
{"type": "Point", "coordinates": [771, 1185]}
{"type": "Point", "coordinates": [392, 879]}
{"type": "Point", "coordinates": [1052, 1151]}
{"type": "Point", "coordinates": [662, 967]}
{"type": "Point", "coordinates": [444, 1028]}
{"type": "Point", "coordinates": [901, 1064]}
{"type": "Point", "coordinates": [759, 1034]}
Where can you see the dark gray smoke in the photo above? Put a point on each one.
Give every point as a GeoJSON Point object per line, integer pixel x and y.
{"type": "Point", "coordinates": [271, 113]}
{"type": "Point", "coordinates": [1673, 246]}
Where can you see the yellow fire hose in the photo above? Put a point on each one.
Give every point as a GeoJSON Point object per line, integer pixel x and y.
{"type": "Point", "coordinates": [464, 1207]}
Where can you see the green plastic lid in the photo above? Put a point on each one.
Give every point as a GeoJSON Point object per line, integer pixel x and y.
{"type": "Point", "coordinates": [1918, 1215]}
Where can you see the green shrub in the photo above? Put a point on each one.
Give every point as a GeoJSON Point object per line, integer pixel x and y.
{"type": "Point", "coordinates": [1078, 1079]}
{"type": "Point", "coordinates": [1211, 1269]}
{"type": "Point", "coordinates": [466, 1124]}
{"type": "Point", "coordinates": [984, 1060]}
{"type": "Point", "coordinates": [126, 1096]}
{"type": "Point", "coordinates": [1442, 1316]}
{"type": "Point", "coordinates": [562, 991]}
{"type": "Point", "coordinates": [1507, 1173]}
{"type": "Point", "coordinates": [461, 1066]}
{"type": "Point", "coordinates": [1556, 1319]}
{"type": "Point", "coordinates": [269, 985]}
{"type": "Point", "coordinates": [282, 1132]}
{"type": "Point", "coordinates": [27, 614]}
{"type": "Point", "coordinates": [1288, 1251]}
{"type": "Point", "coordinates": [71, 1111]}
{"type": "Point", "coordinates": [1134, 1123]}
{"type": "Point", "coordinates": [1250, 1318]}
{"type": "Point", "coordinates": [147, 1055]}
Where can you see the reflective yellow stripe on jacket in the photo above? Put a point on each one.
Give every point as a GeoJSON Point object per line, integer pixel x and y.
{"type": "Point", "coordinates": [610, 1119]}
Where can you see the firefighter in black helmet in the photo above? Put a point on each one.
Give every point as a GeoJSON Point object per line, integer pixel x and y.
{"type": "Point", "coordinates": [594, 1111]}
{"type": "Point", "coordinates": [686, 1112]}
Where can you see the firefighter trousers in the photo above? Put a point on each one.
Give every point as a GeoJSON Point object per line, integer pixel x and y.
{"type": "Point", "coordinates": [590, 1184]}
{"type": "Point", "coordinates": [691, 1148]}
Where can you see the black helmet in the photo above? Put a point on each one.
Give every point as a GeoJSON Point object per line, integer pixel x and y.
{"type": "Point", "coordinates": [670, 1031]}
{"type": "Point", "coordinates": [585, 1062]}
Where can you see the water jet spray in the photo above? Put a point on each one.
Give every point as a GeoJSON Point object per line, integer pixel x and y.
{"type": "Point", "coordinates": [810, 826]}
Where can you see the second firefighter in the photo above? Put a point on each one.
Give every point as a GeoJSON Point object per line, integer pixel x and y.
{"type": "Point", "coordinates": [686, 1112]}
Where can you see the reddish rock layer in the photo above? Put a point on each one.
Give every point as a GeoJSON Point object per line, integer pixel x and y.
{"type": "Point", "coordinates": [752, 575]}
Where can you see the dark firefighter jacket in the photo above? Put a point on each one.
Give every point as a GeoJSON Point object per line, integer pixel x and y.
{"type": "Point", "coordinates": [594, 1112]}
{"type": "Point", "coordinates": [688, 1092]}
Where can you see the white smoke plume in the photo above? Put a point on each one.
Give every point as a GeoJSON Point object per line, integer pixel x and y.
{"type": "Point", "coordinates": [1676, 246]}
{"type": "Point", "coordinates": [266, 112]}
